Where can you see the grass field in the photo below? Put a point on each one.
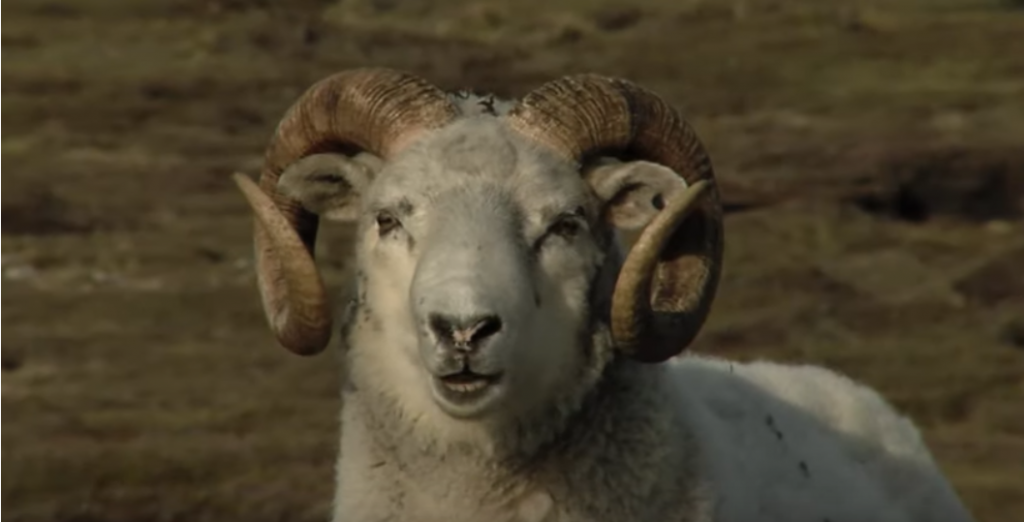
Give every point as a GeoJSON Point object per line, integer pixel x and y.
{"type": "Point", "coordinates": [871, 156]}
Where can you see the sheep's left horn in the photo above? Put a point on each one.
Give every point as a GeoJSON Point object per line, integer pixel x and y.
{"type": "Point", "coordinates": [375, 110]}
{"type": "Point", "coordinates": [668, 282]}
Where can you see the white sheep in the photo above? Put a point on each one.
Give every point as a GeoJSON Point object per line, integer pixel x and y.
{"type": "Point", "coordinates": [505, 360]}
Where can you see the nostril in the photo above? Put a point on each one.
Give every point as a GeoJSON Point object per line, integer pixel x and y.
{"type": "Point", "coordinates": [442, 327]}
{"type": "Point", "coordinates": [464, 331]}
{"type": "Point", "coordinates": [485, 327]}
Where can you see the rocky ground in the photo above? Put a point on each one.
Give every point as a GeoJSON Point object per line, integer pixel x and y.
{"type": "Point", "coordinates": [871, 156]}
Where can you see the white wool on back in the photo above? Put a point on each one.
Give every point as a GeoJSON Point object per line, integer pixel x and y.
{"type": "Point", "coordinates": [790, 443]}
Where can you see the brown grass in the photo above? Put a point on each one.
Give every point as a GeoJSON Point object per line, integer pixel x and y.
{"type": "Point", "coordinates": [871, 154]}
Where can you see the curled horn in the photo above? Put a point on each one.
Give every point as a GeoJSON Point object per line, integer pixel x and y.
{"type": "Point", "coordinates": [375, 110]}
{"type": "Point", "coordinates": [668, 281]}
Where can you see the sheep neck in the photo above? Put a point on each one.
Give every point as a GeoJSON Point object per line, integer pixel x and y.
{"type": "Point", "coordinates": [613, 442]}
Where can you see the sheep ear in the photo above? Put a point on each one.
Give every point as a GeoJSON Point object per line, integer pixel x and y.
{"type": "Point", "coordinates": [330, 184]}
{"type": "Point", "coordinates": [632, 192]}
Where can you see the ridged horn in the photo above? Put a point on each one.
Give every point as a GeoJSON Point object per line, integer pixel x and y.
{"type": "Point", "coordinates": [374, 110]}
{"type": "Point", "coordinates": [669, 279]}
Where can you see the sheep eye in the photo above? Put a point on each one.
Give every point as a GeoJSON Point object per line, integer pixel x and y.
{"type": "Point", "coordinates": [387, 223]}
{"type": "Point", "coordinates": [567, 227]}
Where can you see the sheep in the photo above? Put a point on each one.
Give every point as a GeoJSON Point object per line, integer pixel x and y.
{"type": "Point", "coordinates": [505, 358]}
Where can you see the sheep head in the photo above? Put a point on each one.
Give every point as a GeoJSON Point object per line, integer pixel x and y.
{"type": "Point", "coordinates": [483, 238]}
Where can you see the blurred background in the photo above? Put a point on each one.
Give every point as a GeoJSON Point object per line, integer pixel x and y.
{"type": "Point", "coordinates": [872, 163]}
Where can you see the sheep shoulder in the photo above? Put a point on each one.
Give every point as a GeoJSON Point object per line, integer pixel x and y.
{"type": "Point", "coordinates": [798, 442]}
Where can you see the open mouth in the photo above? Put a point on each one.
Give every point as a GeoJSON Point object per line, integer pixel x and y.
{"type": "Point", "coordinates": [466, 394]}
{"type": "Point", "coordinates": [467, 382]}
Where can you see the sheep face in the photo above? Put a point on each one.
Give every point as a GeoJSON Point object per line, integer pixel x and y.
{"type": "Point", "coordinates": [485, 264]}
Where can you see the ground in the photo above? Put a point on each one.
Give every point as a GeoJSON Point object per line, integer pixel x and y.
{"type": "Point", "coordinates": [869, 155]}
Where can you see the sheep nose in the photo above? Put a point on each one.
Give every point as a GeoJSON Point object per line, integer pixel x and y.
{"type": "Point", "coordinates": [465, 334]}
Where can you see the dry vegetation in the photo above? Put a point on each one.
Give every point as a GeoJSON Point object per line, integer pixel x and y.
{"type": "Point", "coordinates": [871, 156]}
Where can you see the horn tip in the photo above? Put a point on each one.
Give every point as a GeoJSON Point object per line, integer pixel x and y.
{"type": "Point", "coordinates": [314, 341]}
{"type": "Point", "coordinates": [241, 179]}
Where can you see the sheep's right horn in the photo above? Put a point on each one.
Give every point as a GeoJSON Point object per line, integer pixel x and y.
{"type": "Point", "coordinates": [376, 110]}
{"type": "Point", "coordinates": [668, 282]}
{"type": "Point", "coordinates": [633, 319]}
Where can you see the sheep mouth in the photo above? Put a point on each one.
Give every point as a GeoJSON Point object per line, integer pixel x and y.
{"type": "Point", "coordinates": [467, 394]}
{"type": "Point", "coordinates": [468, 382]}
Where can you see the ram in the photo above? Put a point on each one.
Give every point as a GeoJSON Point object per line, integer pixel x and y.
{"type": "Point", "coordinates": [506, 359]}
